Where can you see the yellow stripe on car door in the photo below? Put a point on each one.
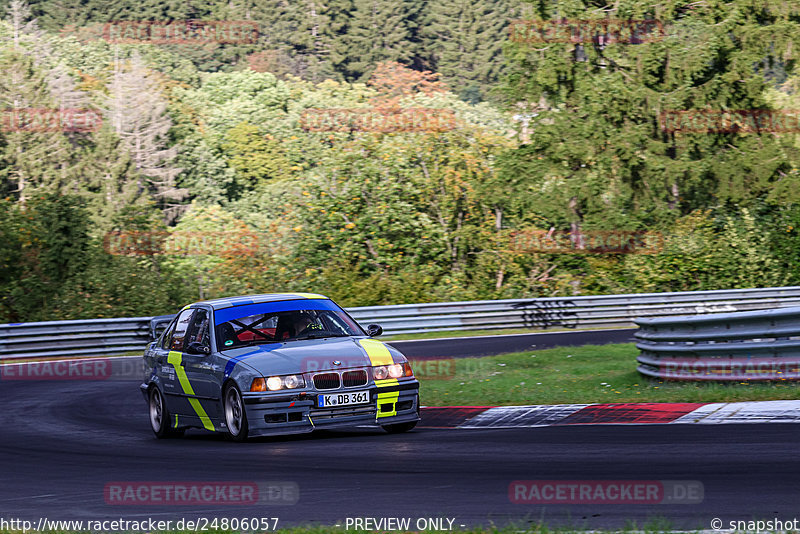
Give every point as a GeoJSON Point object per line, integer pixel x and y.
{"type": "Point", "coordinates": [174, 358]}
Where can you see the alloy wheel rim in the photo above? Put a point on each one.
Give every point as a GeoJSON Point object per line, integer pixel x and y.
{"type": "Point", "coordinates": [233, 412]}
{"type": "Point", "coordinates": [156, 410]}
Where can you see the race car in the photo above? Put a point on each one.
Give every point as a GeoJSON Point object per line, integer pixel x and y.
{"type": "Point", "coordinates": [274, 364]}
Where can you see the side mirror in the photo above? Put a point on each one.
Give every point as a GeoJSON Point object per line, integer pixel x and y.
{"type": "Point", "coordinates": [374, 330]}
{"type": "Point", "coordinates": [197, 348]}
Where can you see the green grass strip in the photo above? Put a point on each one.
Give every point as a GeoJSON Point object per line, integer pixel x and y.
{"type": "Point", "coordinates": [571, 375]}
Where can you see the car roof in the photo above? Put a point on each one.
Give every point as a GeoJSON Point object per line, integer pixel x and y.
{"type": "Point", "coordinates": [229, 302]}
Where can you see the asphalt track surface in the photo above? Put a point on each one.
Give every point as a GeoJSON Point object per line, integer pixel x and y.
{"type": "Point", "coordinates": [63, 441]}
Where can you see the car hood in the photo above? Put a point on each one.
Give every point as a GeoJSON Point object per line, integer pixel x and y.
{"type": "Point", "coordinates": [306, 356]}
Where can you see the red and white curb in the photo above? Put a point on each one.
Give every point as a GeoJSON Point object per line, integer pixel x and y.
{"type": "Point", "coordinates": [784, 411]}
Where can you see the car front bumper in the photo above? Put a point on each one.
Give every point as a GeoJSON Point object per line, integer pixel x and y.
{"type": "Point", "coordinates": [269, 415]}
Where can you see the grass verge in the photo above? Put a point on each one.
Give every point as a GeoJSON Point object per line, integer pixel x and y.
{"type": "Point", "coordinates": [571, 375]}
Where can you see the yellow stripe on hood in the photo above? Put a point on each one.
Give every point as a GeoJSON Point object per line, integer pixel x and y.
{"type": "Point", "coordinates": [377, 352]}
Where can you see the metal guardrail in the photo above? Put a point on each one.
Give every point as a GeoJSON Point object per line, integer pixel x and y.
{"type": "Point", "coordinates": [116, 336]}
{"type": "Point", "coordinates": [756, 345]}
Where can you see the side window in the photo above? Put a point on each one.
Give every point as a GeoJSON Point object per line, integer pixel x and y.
{"type": "Point", "coordinates": [179, 331]}
{"type": "Point", "coordinates": [199, 329]}
{"type": "Point", "coordinates": [166, 336]}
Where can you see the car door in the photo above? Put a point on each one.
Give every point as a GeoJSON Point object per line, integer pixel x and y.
{"type": "Point", "coordinates": [201, 365]}
{"type": "Point", "coordinates": [188, 374]}
{"type": "Point", "coordinates": [170, 370]}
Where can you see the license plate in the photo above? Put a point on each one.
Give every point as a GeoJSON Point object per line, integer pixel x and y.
{"type": "Point", "coordinates": [342, 399]}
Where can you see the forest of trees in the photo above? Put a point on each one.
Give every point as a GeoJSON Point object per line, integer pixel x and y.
{"type": "Point", "coordinates": [556, 136]}
{"type": "Point", "coordinates": [316, 40]}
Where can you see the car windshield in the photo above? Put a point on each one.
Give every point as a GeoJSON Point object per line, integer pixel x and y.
{"type": "Point", "coordinates": [278, 322]}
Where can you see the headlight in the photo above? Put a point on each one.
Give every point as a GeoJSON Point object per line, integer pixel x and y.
{"type": "Point", "coordinates": [380, 372]}
{"type": "Point", "coordinates": [276, 383]}
{"type": "Point", "coordinates": [291, 381]}
{"type": "Point", "coordinates": [396, 370]}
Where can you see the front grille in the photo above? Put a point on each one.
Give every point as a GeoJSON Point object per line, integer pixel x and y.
{"type": "Point", "coordinates": [326, 381]}
{"type": "Point", "coordinates": [353, 379]}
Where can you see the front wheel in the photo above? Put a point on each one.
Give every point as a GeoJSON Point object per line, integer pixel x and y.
{"type": "Point", "coordinates": [399, 427]}
{"type": "Point", "coordinates": [235, 416]}
{"type": "Point", "coordinates": [160, 416]}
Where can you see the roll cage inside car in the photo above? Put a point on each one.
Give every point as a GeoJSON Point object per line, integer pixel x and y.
{"type": "Point", "coordinates": [280, 322]}
{"type": "Point", "coordinates": [266, 322]}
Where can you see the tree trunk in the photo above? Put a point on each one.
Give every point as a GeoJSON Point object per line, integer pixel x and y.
{"type": "Point", "coordinates": [575, 226]}
{"type": "Point", "coordinates": [498, 225]}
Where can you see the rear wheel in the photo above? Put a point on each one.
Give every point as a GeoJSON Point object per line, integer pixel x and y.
{"type": "Point", "coordinates": [160, 417]}
{"type": "Point", "coordinates": [399, 427]}
{"type": "Point", "coordinates": [235, 416]}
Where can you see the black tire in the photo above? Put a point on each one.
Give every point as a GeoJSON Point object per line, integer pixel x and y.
{"type": "Point", "coordinates": [399, 427]}
{"type": "Point", "coordinates": [235, 414]}
{"type": "Point", "coordinates": [160, 417]}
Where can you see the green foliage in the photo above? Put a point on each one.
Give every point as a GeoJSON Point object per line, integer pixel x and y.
{"type": "Point", "coordinates": [377, 30]}
{"type": "Point", "coordinates": [732, 251]}
{"type": "Point", "coordinates": [381, 216]}
{"type": "Point", "coordinates": [33, 161]}
{"type": "Point", "coordinates": [49, 237]}
{"type": "Point", "coordinates": [465, 39]}
{"type": "Point", "coordinates": [255, 158]}
{"type": "Point", "coordinates": [119, 286]}
{"type": "Point", "coordinates": [619, 167]}
{"type": "Point", "coordinates": [340, 40]}
{"type": "Point", "coordinates": [52, 268]}
{"type": "Point", "coordinates": [783, 237]}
